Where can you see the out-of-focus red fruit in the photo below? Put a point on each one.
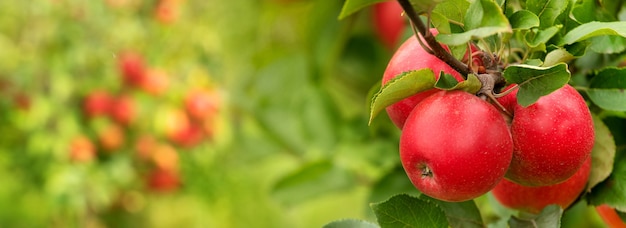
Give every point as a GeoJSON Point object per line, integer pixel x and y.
{"type": "Point", "coordinates": [610, 217]}
{"type": "Point", "coordinates": [82, 149]}
{"type": "Point", "coordinates": [124, 110]}
{"type": "Point", "coordinates": [165, 157]}
{"type": "Point", "coordinates": [155, 82]}
{"type": "Point", "coordinates": [389, 22]}
{"type": "Point", "coordinates": [189, 137]}
{"type": "Point", "coordinates": [202, 104]}
{"type": "Point", "coordinates": [22, 101]}
{"type": "Point", "coordinates": [97, 103]}
{"type": "Point", "coordinates": [175, 121]}
{"type": "Point", "coordinates": [167, 11]}
{"type": "Point", "coordinates": [132, 67]}
{"type": "Point", "coordinates": [145, 146]}
{"type": "Point", "coordinates": [111, 138]}
{"type": "Point", "coordinates": [160, 180]}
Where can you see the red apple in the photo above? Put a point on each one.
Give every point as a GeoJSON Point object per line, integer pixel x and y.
{"type": "Point", "coordinates": [389, 22]}
{"type": "Point", "coordinates": [111, 137]}
{"type": "Point", "coordinates": [610, 217]}
{"type": "Point", "coordinates": [132, 67]}
{"type": "Point", "coordinates": [534, 199]}
{"type": "Point", "coordinates": [145, 146]}
{"type": "Point", "coordinates": [165, 157]}
{"type": "Point", "coordinates": [124, 110]}
{"type": "Point", "coordinates": [155, 82]}
{"type": "Point", "coordinates": [455, 146]}
{"type": "Point", "coordinates": [167, 11]}
{"type": "Point", "coordinates": [162, 180]}
{"type": "Point", "coordinates": [97, 103]}
{"type": "Point", "coordinates": [188, 137]}
{"type": "Point", "coordinates": [411, 56]}
{"type": "Point", "coordinates": [552, 137]}
{"type": "Point", "coordinates": [202, 104]}
{"type": "Point", "coordinates": [82, 149]}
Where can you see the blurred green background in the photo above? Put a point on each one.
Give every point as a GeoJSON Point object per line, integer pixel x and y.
{"type": "Point", "coordinates": [290, 145]}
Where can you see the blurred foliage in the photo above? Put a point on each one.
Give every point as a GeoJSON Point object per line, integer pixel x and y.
{"type": "Point", "coordinates": [292, 147]}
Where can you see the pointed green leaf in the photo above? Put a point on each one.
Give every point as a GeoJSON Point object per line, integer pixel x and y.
{"type": "Point", "coordinates": [402, 86]}
{"type": "Point", "coordinates": [547, 10]}
{"type": "Point", "coordinates": [407, 211]}
{"type": "Point", "coordinates": [602, 155]}
{"type": "Point", "coordinates": [535, 82]}
{"type": "Point", "coordinates": [556, 56]}
{"type": "Point", "coordinates": [448, 82]}
{"type": "Point", "coordinates": [459, 214]}
{"type": "Point", "coordinates": [550, 217]}
{"type": "Point", "coordinates": [607, 89]}
{"type": "Point", "coordinates": [353, 6]}
{"type": "Point", "coordinates": [593, 29]}
{"type": "Point", "coordinates": [524, 19]}
{"type": "Point", "coordinates": [542, 36]}
{"type": "Point", "coordinates": [350, 223]}
{"type": "Point", "coordinates": [483, 19]}
{"type": "Point", "coordinates": [454, 10]}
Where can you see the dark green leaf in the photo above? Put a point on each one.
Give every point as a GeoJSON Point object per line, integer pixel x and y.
{"type": "Point", "coordinates": [524, 19]}
{"type": "Point", "coordinates": [448, 82]}
{"type": "Point", "coordinates": [352, 6]}
{"type": "Point", "coordinates": [423, 6]}
{"type": "Point", "coordinates": [607, 89]}
{"type": "Point", "coordinates": [407, 211]}
{"type": "Point", "coordinates": [593, 29]}
{"type": "Point", "coordinates": [312, 180]}
{"type": "Point", "coordinates": [350, 223]}
{"type": "Point", "coordinates": [550, 217]}
{"type": "Point", "coordinates": [535, 82]}
{"type": "Point", "coordinates": [484, 18]}
{"type": "Point", "coordinates": [402, 86]}
{"type": "Point", "coordinates": [460, 214]}
{"type": "Point", "coordinates": [602, 155]}
{"type": "Point", "coordinates": [547, 10]}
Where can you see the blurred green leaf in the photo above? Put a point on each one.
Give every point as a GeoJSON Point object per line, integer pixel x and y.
{"type": "Point", "coordinates": [608, 44]}
{"type": "Point", "coordinates": [393, 183]}
{"type": "Point", "coordinates": [607, 89]}
{"type": "Point", "coordinates": [602, 154]}
{"type": "Point", "coordinates": [535, 82]}
{"type": "Point", "coordinates": [594, 29]}
{"type": "Point", "coordinates": [407, 211]}
{"type": "Point", "coordinates": [400, 87]}
{"type": "Point", "coordinates": [350, 223]}
{"type": "Point", "coordinates": [550, 217]}
{"type": "Point", "coordinates": [612, 191]}
{"type": "Point", "coordinates": [352, 6]}
{"type": "Point", "coordinates": [483, 19]}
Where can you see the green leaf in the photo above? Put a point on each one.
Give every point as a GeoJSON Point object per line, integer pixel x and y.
{"type": "Point", "coordinates": [593, 29]}
{"type": "Point", "coordinates": [448, 82]}
{"type": "Point", "coordinates": [606, 89]}
{"type": "Point", "coordinates": [602, 155]}
{"type": "Point", "coordinates": [535, 82]}
{"type": "Point", "coordinates": [350, 223]}
{"type": "Point", "coordinates": [556, 56]}
{"type": "Point", "coordinates": [483, 18]}
{"type": "Point", "coordinates": [353, 6]}
{"type": "Point", "coordinates": [407, 211]}
{"type": "Point", "coordinates": [524, 19]}
{"type": "Point", "coordinates": [550, 217]}
{"type": "Point", "coordinates": [608, 44]}
{"type": "Point", "coordinates": [453, 10]}
{"type": "Point", "coordinates": [612, 191]}
{"type": "Point", "coordinates": [312, 180]}
{"type": "Point", "coordinates": [547, 10]}
{"type": "Point", "coordinates": [393, 183]}
{"type": "Point", "coordinates": [423, 6]}
{"type": "Point", "coordinates": [402, 86]}
{"type": "Point", "coordinates": [459, 214]}
{"type": "Point", "coordinates": [542, 36]}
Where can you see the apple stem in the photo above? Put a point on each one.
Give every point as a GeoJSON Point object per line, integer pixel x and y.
{"type": "Point", "coordinates": [436, 48]}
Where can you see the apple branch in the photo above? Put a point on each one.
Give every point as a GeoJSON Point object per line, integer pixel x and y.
{"type": "Point", "coordinates": [437, 49]}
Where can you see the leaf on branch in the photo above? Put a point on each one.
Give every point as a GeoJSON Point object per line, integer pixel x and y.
{"type": "Point", "coordinates": [593, 29]}
{"type": "Point", "coordinates": [540, 37]}
{"type": "Point", "coordinates": [484, 18]}
{"type": "Point", "coordinates": [547, 11]}
{"type": "Point", "coordinates": [453, 10]}
{"type": "Point", "coordinates": [607, 89]}
{"type": "Point", "coordinates": [556, 56]}
{"type": "Point", "coordinates": [402, 86]}
{"type": "Point", "coordinates": [448, 82]}
{"type": "Point", "coordinates": [602, 155]}
{"type": "Point", "coordinates": [550, 217]}
{"type": "Point", "coordinates": [535, 82]}
{"type": "Point", "coordinates": [353, 6]}
{"type": "Point", "coordinates": [350, 223]}
{"type": "Point", "coordinates": [406, 211]}
{"type": "Point", "coordinates": [524, 19]}
{"type": "Point", "coordinates": [459, 214]}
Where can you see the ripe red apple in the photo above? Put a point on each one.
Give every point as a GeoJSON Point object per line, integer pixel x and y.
{"type": "Point", "coordinates": [389, 22]}
{"type": "Point", "coordinates": [610, 217]}
{"type": "Point", "coordinates": [82, 149]}
{"type": "Point", "coordinates": [124, 110]}
{"type": "Point", "coordinates": [132, 67]}
{"type": "Point", "coordinates": [163, 180]}
{"type": "Point", "coordinates": [455, 146]}
{"type": "Point", "coordinates": [155, 82]}
{"type": "Point", "coordinates": [534, 199]}
{"type": "Point", "coordinates": [111, 137]}
{"type": "Point", "coordinates": [97, 103]}
{"type": "Point", "coordinates": [552, 137]}
{"type": "Point", "coordinates": [411, 56]}
{"type": "Point", "coordinates": [167, 11]}
{"type": "Point", "coordinates": [188, 137]}
{"type": "Point", "coordinates": [165, 157]}
{"type": "Point", "coordinates": [145, 146]}
{"type": "Point", "coordinates": [202, 104]}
